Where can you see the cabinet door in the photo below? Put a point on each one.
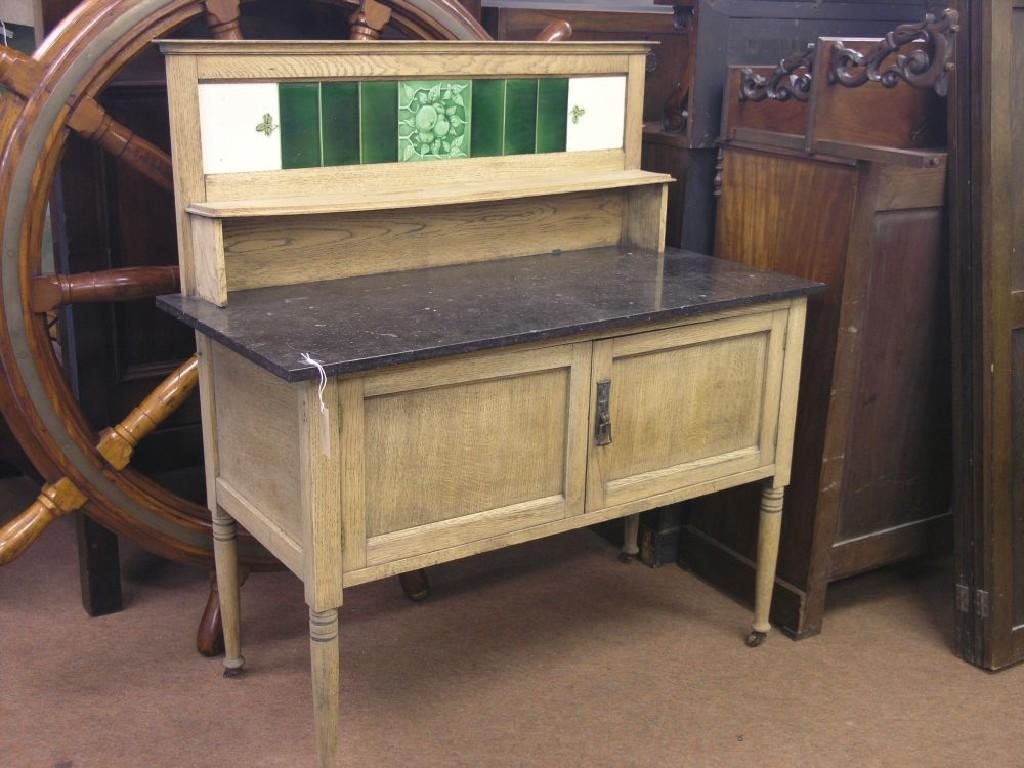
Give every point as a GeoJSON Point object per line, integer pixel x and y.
{"type": "Point", "coordinates": [445, 454]}
{"type": "Point", "coordinates": [686, 407]}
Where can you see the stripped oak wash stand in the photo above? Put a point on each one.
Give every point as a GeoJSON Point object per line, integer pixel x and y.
{"type": "Point", "coordinates": [507, 351]}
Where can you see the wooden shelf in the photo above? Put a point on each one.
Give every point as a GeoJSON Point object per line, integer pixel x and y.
{"type": "Point", "coordinates": [429, 196]}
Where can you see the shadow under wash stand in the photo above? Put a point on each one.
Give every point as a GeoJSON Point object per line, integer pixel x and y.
{"type": "Point", "coordinates": [500, 328]}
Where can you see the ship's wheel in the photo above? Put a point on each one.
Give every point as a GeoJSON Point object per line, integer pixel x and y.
{"type": "Point", "coordinates": [55, 93]}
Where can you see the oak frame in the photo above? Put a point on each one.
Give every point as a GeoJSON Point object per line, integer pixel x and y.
{"type": "Point", "coordinates": [334, 536]}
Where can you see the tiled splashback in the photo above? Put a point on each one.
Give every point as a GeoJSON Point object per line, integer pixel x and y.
{"type": "Point", "coordinates": [272, 126]}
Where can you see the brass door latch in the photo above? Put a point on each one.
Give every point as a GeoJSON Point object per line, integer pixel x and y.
{"type": "Point", "coordinates": [602, 416]}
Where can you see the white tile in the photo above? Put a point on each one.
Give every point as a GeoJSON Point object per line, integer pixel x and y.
{"type": "Point", "coordinates": [596, 117]}
{"type": "Point", "coordinates": [230, 115]}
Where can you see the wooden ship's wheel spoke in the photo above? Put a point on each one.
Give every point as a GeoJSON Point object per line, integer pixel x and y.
{"type": "Point", "coordinates": [52, 291]}
{"type": "Point", "coordinates": [116, 445]}
{"type": "Point", "coordinates": [223, 17]}
{"type": "Point", "coordinates": [368, 20]}
{"type": "Point", "coordinates": [22, 74]}
{"type": "Point", "coordinates": [555, 31]}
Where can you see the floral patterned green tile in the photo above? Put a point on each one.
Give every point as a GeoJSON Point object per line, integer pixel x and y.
{"type": "Point", "coordinates": [434, 119]}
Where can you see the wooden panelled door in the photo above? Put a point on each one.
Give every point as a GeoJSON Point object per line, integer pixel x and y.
{"type": "Point", "coordinates": [987, 233]}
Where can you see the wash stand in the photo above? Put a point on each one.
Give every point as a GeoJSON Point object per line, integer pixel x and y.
{"type": "Point", "coordinates": [436, 316]}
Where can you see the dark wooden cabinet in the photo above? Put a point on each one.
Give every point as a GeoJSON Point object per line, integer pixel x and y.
{"type": "Point", "coordinates": [987, 238]}
{"type": "Point", "coordinates": [699, 40]}
{"type": "Point", "coordinates": [872, 455]}
{"type": "Point", "coordinates": [837, 187]}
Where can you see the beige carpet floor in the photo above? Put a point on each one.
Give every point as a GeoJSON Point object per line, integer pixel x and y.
{"type": "Point", "coordinates": [547, 654]}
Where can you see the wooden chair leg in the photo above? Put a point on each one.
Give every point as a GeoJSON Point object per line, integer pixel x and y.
{"type": "Point", "coordinates": [210, 634]}
{"type": "Point", "coordinates": [767, 557]}
{"type": "Point", "coordinates": [325, 664]}
{"type": "Point", "coordinates": [415, 584]}
{"type": "Point", "coordinates": [630, 538]}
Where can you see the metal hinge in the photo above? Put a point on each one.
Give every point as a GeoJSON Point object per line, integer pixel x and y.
{"type": "Point", "coordinates": [963, 598]}
{"type": "Point", "coordinates": [981, 603]}
{"type": "Point", "coordinates": [602, 414]}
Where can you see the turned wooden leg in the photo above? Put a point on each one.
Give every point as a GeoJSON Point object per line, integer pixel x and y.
{"type": "Point", "coordinates": [630, 539]}
{"type": "Point", "coordinates": [225, 553]}
{"type": "Point", "coordinates": [767, 556]}
{"type": "Point", "coordinates": [415, 584]}
{"type": "Point", "coordinates": [325, 663]}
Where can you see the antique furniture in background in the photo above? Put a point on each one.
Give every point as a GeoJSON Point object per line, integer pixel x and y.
{"type": "Point", "coordinates": [686, 72]}
{"type": "Point", "coordinates": [683, 105]}
{"type": "Point", "coordinates": [111, 193]}
{"type": "Point", "coordinates": [987, 243]}
{"type": "Point", "coordinates": [510, 339]}
{"type": "Point", "coordinates": [836, 172]}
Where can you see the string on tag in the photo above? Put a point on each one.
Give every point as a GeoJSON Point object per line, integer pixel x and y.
{"type": "Point", "coordinates": [325, 418]}
{"type": "Point", "coordinates": [305, 358]}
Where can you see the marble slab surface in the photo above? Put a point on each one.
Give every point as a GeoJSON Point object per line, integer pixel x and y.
{"type": "Point", "coordinates": [374, 321]}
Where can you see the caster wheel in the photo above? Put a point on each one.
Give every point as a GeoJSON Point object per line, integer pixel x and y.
{"type": "Point", "coordinates": [625, 557]}
{"type": "Point", "coordinates": [233, 672]}
{"type": "Point", "coordinates": [756, 638]}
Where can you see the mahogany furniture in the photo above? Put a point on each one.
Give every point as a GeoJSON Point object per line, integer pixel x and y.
{"type": "Point", "coordinates": [438, 266]}
{"type": "Point", "coordinates": [845, 184]}
{"type": "Point", "coordinates": [987, 246]}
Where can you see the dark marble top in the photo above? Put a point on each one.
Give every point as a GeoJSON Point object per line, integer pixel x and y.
{"type": "Point", "coordinates": [373, 321]}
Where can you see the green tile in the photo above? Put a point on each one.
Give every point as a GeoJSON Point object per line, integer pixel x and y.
{"type": "Point", "coordinates": [300, 125]}
{"type": "Point", "coordinates": [488, 118]}
{"type": "Point", "coordinates": [434, 119]}
{"type": "Point", "coordinates": [552, 106]}
{"type": "Point", "coordinates": [339, 116]}
{"type": "Point", "coordinates": [521, 117]}
{"type": "Point", "coordinates": [378, 121]}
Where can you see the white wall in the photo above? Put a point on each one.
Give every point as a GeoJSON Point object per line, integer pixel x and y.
{"type": "Point", "coordinates": [18, 12]}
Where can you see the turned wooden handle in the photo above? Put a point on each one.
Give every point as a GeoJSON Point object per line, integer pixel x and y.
{"type": "Point", "coordinates": [52, 291]}
{"type": "Point", "coordinates": [555, 32]}
{"type": "Point", "coordinates": [92, 122]}
{"type": "Point", "coordinates": [222, 17]}
{"type": "Point", "coordinates": [55, 500]}
{"type": "Point", "coordinates": [21, 74]}
{"type": "Point", "coordinates": [118, 443]}
{"type": "Point", "coordinates": [368, 20]}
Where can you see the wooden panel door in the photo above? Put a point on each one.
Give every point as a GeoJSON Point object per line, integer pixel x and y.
{"type": "Point", "coordinates": [686, 406]}
{"type": "Point", "coordinates": [987, 234]}
{"type": "Point", "coordinates": [458, 451]}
